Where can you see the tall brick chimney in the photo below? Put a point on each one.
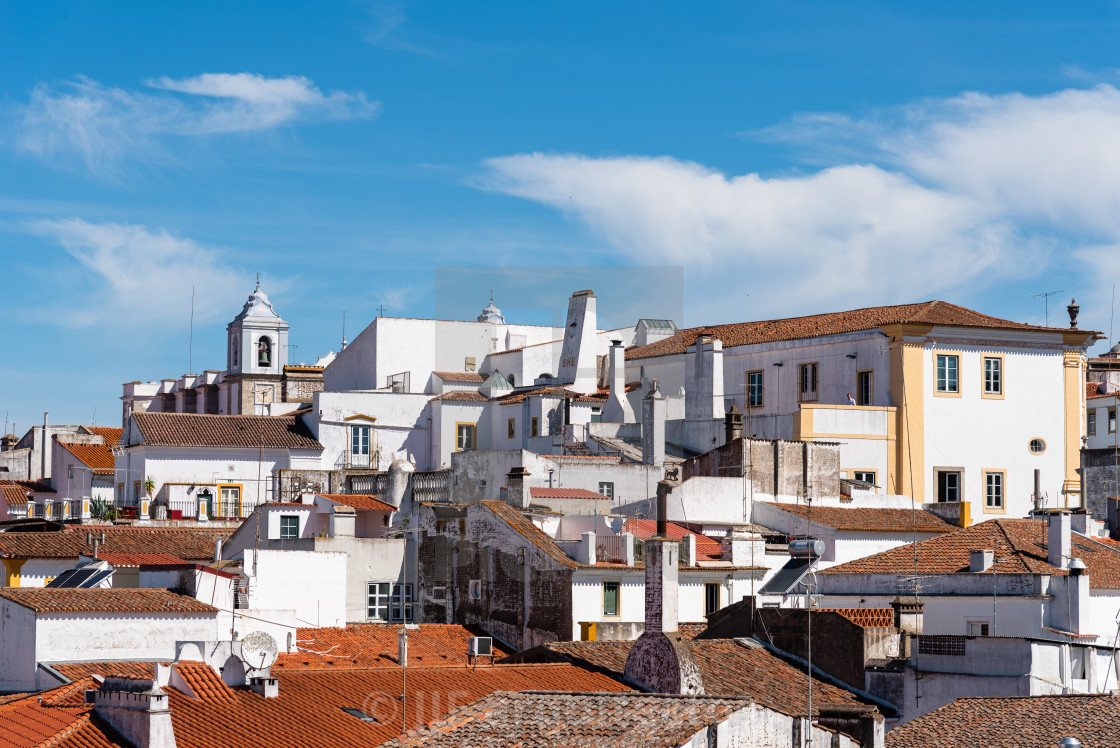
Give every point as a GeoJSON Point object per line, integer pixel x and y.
{"type": "Point", "coordinates": [661, 660]}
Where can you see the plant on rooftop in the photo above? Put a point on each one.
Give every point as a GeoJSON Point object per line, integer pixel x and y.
{"type": "Point", "coordinates": [149, 486]}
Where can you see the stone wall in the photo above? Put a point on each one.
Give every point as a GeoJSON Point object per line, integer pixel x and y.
{"type": "Point", "coordinates": [1099, 480]}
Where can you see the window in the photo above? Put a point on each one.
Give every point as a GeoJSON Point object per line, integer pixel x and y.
{"type": "Point", "coordinates": [993, 375]}
{"type": "Point", "coordinates": [361, 438]}
{"type": "Point", "coordinates": [993, 490]}
{"type": "Point", "coordinates": [596, 415]}
{"type": "Point", "coordinates": [947, 367]}
{"type": "Point", "coordinates": [865, 388]}
{"type": "Point", "coordinates": [1092, 425]}
{"type": "Point", "coordinates": [511, 427]}
{"type": "Point", "coordinates": [120, 494]}
{"type": "Point", "coordinates": [607, 489]}
{"type": "Point", "coordinates": [1112, 420]}
{"type": "Point", "coordinates": [377, 602]}
{"type": "Point", "coordinates": [535, 426]}
{"type": "Point", "coordinates": [402, 608]}
{"type": "Point", "coordinates": [977, 628]}
{"type": "Point", "coordinates": [948, 485]}
{"type": "Point", "coordinates": [464, 437]}
{"type": "Point", "coordinates": [610, 598]}
{"type": "Point", "coordinates": [754, 389]}
{"type": "Point", "coordinates": [867, 476]}
{"type": "Point", "coordinates": [229, 502]}
{"type": "Point", "coordinates": [1037, 446]}
{"type": "Point", "coordinates": [808, 383]}
{"type": "Point", "coordinates": [236, 345]}
{"type": "Point", "coordinates": [398, 382]}
{"type": "Point", "coordinates": [711, 597]}
{"type": "Point", "coordinates": [289, 526]}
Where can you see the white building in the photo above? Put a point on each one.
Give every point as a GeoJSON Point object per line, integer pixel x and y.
{"type": "Point", "coordinates": [63, 625]}
{"type": "Point", "coordinates": [1030, 578]}
{"type": "Point", "coordinates": [226, 465]}
{"type": "Point", "coordinates": [949, 404]}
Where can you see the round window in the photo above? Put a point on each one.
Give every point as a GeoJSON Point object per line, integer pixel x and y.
{"type": "Point", "coordinates": [1037, 446]}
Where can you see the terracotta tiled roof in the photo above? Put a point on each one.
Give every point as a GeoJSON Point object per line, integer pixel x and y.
{"type": "Point", "coordinates": [706, 547]}
{"type": "Point", "coordinates": [565, 493]}
{"type": "Point", "coordinates": [1014, 722]}
{"type": "Point", "coordinates": [33, 486]}
{"type": "Point", "coordinates": [535, 535]}
{"type": "Point", "coordinates": [110, 434]}
{"type": "Point", "coordinates": [462, 396]}
{"type": "Point", "coordinates": [874, 519]}
{"type": "Point", "coordinates": [360, 502]}
{"type": "Point", "coordinates": [1018, 545]}
{"type": "Point", "coordinates": [99, 457]}
{"type": "Point", "coordinates": [939, 313]}
{"type": "Point", "coordinates": [472, 377]}
{"type": "Point", "coordinates": [141, 559]}
{"type": "Point", "coordinates": [191, 430]}
{"type": "Point", "coordinates": [366, 645]}
{"type": "Point", "coordinates": [29, 723]}
{"type": "Point", "coordinates": [78, 670]}
{"type": "Point", "coordinates": [518, 397]}
{"type": "Point", "coordinates": [103, 600]}
{"type": "Point", "coordinates": [539, 718]}
{"type": "Point", "coordinates": [727, 668]}
{"type": "Point", "coordinates": [14, 495]}
{"type": "Point", "coordinates": [309, 707]}
{"type": "Point", "coordinates": [192, 544]}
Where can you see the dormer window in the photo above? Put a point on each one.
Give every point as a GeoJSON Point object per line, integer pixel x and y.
{"type": "Point", "coordinates": [264, 352]}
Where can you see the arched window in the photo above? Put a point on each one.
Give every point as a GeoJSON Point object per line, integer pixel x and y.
{"type": "Point", "coordinates": [512, 381]}
{"type": "Point", "coordinates": [264, 351]}
{"type": "Point", "coordinates": [236, 345]}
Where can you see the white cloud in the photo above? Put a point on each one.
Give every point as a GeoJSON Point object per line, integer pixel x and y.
{"type": "Point", "coordinates": [937, 198]}
{"type": "Point", "coordinates": [103, 125]}
{"type": "Point", "coordinates": [134, 277]}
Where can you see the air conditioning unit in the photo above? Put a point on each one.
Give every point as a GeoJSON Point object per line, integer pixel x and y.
{"type": "Point", "coordinates": [480, 646]}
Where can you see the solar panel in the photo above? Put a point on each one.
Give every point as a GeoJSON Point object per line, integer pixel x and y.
{"type": "Point", "coordinates": [787, 577]}
{"type": "Point", "coordinates": [85, 576]}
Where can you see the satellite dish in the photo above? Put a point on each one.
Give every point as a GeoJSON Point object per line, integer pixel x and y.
{"type": "Point", "coordinates": [258, 650]}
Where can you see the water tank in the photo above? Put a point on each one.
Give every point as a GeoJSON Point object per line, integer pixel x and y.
{"type": "Point", "coordinates": [811, 548]}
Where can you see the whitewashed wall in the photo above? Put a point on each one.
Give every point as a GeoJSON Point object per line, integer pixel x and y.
{"type": "Point", "coordinates": [312, 583]}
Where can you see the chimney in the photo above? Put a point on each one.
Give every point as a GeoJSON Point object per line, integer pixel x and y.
{"type": "Point", "coordinates": [344, 521]}
{"type": "Point", "coordinates": [265, 686]}
{"type": "Point", "coordinates": [732, 425]}
{"type": "Point", "coordinates": [660, 660]}
{"type": "Point", "coordinates": [1058, 539]}
{"type": "Point", "coordinates": [8, 442]}
{"type": "Point", "coordinates": [617, 408]}
{"type": "Point", "coordinates": [217, 550]}
{"type": "Point", "coordinates": [578, 355]}
{"type": "Point", "coordinates": [517, 493]}
{"type": "Point", "coordinates": [909, 614]}
{"type": "Point", "coordinates": [979, 560]}
{"type": "Point", "coordinates": [137, 708]}
{"type": "Point", "coordinates": [703, 386]}
{"type": "Point", "coordinates": [653, 426]}
{"type": "Point", "coordinates": [1081, 521]}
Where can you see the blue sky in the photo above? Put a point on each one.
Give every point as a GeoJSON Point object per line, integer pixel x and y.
{"type": "Point", "coordinates": [753, 160]}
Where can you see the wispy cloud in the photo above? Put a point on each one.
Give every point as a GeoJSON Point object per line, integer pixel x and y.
{"type": "Point", "coordinates": [386, 19]}
{"type": "Point", "coordinates": [133, 277]}
{"type": "Point", "coordinates": [104, 125]}
{"type": "Point", "coordinates": [939, 197]}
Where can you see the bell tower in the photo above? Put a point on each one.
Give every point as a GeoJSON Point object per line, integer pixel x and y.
{"type": "Point", "coordinates": [256, 352]}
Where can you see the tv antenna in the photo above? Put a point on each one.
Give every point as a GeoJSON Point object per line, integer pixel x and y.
{"type": "Point", "coordinates": [1046, 302]}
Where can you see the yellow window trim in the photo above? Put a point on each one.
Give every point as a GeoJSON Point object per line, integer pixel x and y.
{"type": "Point", "coordinates": [474, 434]}
{"type": "Point", "coordinates": [1002, 377]}
{"type": "Point", "coordinates": [984, 491]}
{"type": "Point", "coordinates": [960, 372]}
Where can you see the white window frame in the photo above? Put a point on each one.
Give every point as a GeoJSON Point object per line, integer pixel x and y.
{"type": "Point", "coordinates": [462, 429]}
{"type": "Point", "coordinates": [994, 490]}
{"type": "Point", "coordinates": [606, 488]}
{"type": "Point", "coordinates": [378, 601]}
{"type": "Point", "coordinates": [941, 373]}
{"type": "Point", "coordinates": [402, 610]}
{"type": "Point", "coordinates": [808, 381]}
{"type": "Point", "coordinates": [993, 375]}
{"type": "Point", "coordinates": [756, 388]}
